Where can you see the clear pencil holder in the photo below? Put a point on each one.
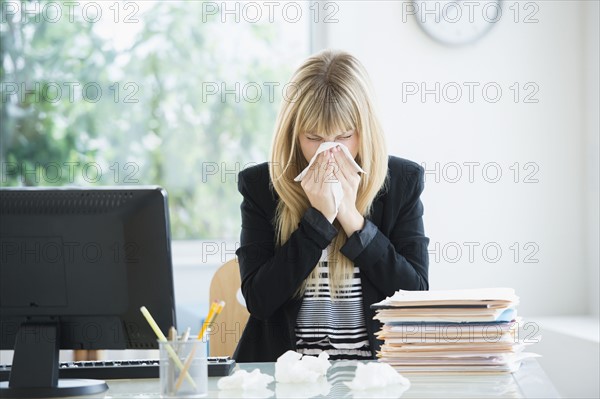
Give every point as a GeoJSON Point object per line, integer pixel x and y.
{"type": "Point", "coordinates": [183, 369]}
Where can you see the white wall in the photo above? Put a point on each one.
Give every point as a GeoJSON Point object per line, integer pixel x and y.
{"type": "Point", "coordinates": [552, 213]}
{"type": "Point", "coordinates": [591, 67]}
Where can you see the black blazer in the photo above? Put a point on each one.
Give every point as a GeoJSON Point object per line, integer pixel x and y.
{"type": "Point", "coordinates": [390, 251]}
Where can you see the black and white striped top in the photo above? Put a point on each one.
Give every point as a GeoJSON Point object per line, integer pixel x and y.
{"type": "Point", "coordinates": [336, 325]}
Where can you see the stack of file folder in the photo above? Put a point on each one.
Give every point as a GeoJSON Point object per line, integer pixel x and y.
{"type": "Point", "coordinates": [455, 331]}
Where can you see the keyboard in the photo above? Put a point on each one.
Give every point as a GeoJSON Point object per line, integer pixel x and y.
{"type": "Point", "coordinates": [124, 369]}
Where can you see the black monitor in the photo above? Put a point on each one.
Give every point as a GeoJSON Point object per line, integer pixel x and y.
{"type": "Point", "coordinates": [76, 265]}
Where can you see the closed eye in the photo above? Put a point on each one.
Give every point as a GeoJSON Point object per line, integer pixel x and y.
{"type": "Point", "coordinates": [314, 138]}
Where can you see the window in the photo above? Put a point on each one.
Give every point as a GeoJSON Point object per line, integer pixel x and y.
{"type": "Point", "coordinates": [182, 94]}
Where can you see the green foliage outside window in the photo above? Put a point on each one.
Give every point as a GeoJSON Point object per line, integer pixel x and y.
{"type": "Point", "coordinates": [152, 93]}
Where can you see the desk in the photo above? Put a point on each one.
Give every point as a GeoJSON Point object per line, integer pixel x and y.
{"type": "Point", "coordinates": [529, 382]}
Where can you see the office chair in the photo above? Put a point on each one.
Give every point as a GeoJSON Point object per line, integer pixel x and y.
{"type": "Point", "coordinates": [229, 325]}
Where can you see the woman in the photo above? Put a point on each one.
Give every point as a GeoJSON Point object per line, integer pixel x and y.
{"type": "Point", "coordinates": [310, 269]}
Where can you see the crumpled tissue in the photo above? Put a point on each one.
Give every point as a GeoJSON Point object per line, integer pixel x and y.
{"type": "Point", "coordinates": [293, 367]}
{"type": "Point", "coordinates": [376, 375]}
{"type": "Point", "coordinates": [336, 187]}
{"type": "Point", "coordinates": [243, 380]}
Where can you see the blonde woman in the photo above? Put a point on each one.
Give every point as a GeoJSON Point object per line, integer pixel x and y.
{"type": "Point", "coordinates": [310, 269]}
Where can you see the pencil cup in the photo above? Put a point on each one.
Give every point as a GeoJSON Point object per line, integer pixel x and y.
{"type": "Point", "coordinates": [183, 369]}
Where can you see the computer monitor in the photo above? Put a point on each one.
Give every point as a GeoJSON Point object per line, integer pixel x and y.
{"type": "Point", "coordinates": [76, 265]}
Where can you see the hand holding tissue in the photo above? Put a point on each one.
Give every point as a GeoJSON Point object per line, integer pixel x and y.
{"type": "Point", "coordinates": [336, 188]}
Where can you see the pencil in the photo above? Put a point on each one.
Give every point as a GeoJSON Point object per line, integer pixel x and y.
{"type": "Point", "coordinates": [206, 323]}
{"type": "Point", "coordinates": [211, 318]}
{"type": "Point", "coordinates": [172, 337]}
{"type": "Point", "coordinates": [162, 338]}
{"type": "Point", "coordinates": [215, 309]}
{"type": "Point", "coordinates": [172, 334]}
{"type": "Point", "coordinates": [186, 335]}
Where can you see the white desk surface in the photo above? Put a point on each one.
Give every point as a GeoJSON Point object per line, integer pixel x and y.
{"type": "Point", "coordinates": [529, 382]}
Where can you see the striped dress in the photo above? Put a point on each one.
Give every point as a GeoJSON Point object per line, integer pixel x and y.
{"type": "Point", "coordinates": [337, 325]}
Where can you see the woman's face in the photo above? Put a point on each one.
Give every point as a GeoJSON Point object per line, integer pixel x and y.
{"type": "Point", "coordinates": [309, 142]}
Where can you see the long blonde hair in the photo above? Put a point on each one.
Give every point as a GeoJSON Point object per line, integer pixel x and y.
{"type": "Point", "coordinates": [329, 93]}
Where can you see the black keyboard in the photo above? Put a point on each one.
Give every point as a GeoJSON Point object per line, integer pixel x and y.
{"type": "Point", "coordinates": [125, 369]}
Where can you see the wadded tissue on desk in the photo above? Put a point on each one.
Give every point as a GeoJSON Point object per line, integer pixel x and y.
{"type": "Point", "coordinates": [290, 367]}
{"type": "Point", "coordinates": [376, 375]}
{"type": "Point", "coordinates": [245, 381]}
{"type": "Point", "coordinates": [338, 193]}
{"type": "Point", "coordinates": [293, 367]}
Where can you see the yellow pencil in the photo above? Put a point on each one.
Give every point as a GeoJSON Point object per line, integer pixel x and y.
{"type": "Point", "coordinates": [215, 309]}
{"type": "Point", "coordinates": [162, 338]}
{"type": "Point", "coordinates": [205, 325]}
{"type": "Point", "coordinates": [210, 319]}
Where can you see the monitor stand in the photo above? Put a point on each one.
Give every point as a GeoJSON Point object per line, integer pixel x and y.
{"type": "Point", "coordinates": [34, 371]}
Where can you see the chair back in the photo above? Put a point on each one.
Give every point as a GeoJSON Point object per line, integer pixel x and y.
{"type": "Point", "coordinates": [229, 325]}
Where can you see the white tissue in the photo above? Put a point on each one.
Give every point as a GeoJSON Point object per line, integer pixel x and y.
{"type": "Point", "coordinates": [243, 380]}
{"type": "Point", "coordinates": [375, 375]}
{"type": "Point", "coordinates": [336, 187]}
{"type": "Point", "coordinates": [293, 367]}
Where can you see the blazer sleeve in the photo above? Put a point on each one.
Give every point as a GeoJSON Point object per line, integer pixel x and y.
{"type": "Point", "coordinates": [400, 259]}
{"type": "Point", "coordinates": [271, 276]}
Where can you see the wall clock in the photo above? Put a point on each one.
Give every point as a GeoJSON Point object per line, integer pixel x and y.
{"type": "Point", "coordinates": [457, 22]}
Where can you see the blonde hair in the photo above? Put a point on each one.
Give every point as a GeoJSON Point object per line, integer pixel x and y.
{"type": "Point", "coordinates": [329, 93]}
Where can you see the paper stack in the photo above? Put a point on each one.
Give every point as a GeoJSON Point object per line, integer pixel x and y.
{"type": "Point", "coordinates": [455, 331]}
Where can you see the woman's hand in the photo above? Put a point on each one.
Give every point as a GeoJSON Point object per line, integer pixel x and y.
{"type": "Point", "coordinates": [317, 188]}
{"type": "Point", "coordinates": [348, 216]}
